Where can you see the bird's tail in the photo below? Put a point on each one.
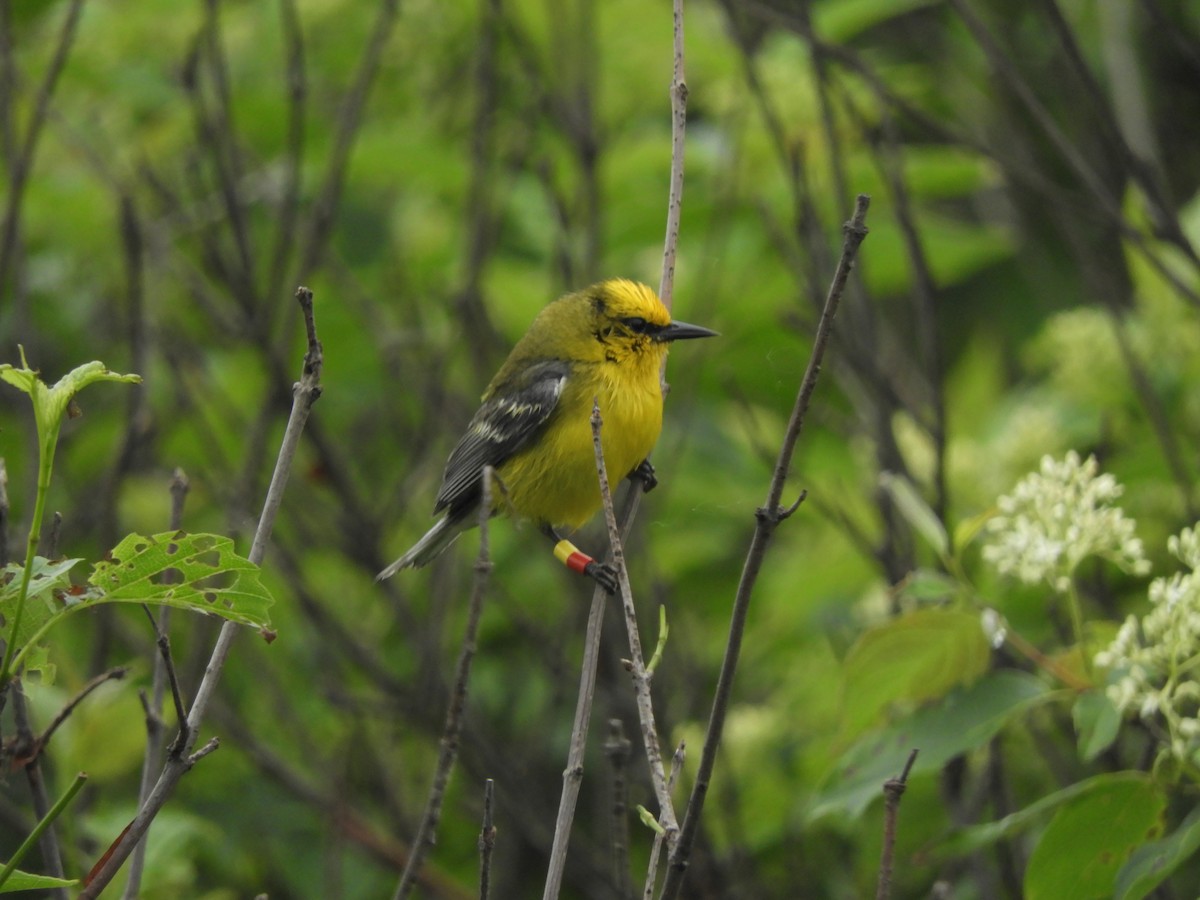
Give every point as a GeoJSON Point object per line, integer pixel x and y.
{"type": "Point", "coordinates": [436, 539]}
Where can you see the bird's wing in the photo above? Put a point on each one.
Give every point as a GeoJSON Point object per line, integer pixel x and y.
{"type": "Point", "coordinates": [509, 418]}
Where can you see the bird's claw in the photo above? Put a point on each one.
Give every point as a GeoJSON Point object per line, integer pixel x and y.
{"type": "Point", "coordinates": [645, 474]}
{"type": "Point", "coordinates": [604, 574]}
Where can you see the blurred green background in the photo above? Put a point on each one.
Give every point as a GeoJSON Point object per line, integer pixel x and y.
{"type": "Point", "coordinates": [438, 171]}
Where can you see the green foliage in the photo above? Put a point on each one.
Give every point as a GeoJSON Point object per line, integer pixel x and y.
{"type": "Point", "coordinates": [498, 162]}
{"type": "Point", "coordinates": [24, 881]}
{"type": "Point", "coordinates": [966, 719]}
{"type": "Point", "coordinates": [918, 656]}
{"type": "Point", "coordinates": [1078, 859]}
{"type": "Point", "coordinates": [1153, 862]}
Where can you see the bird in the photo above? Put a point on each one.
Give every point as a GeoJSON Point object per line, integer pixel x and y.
{"type": "Point", "coordinates": [605, 344]}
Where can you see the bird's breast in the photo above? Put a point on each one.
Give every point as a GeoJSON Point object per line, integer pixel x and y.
{"type": "Point", "coordinates": [554, 480]}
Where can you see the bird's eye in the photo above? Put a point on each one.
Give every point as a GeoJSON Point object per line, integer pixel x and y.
{"type": "Point", "coordinates": [636, 324]}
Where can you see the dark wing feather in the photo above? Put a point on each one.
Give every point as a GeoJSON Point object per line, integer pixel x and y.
{"type": "Point", "coordinates": [509, 418]}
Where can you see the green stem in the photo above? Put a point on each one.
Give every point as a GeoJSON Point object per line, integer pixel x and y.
{"type": "Point", "coordinates": [36, 834]}
{"type": "Point", "coordinates": [1076, 610]}
{"type": "Point", "coordinates": [45, 466]}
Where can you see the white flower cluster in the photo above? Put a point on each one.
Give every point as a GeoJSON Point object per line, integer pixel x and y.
{"type": "Point", "coordinates": [1057, 517]}
{"type": "Point", "coordinates": [1153, 660]}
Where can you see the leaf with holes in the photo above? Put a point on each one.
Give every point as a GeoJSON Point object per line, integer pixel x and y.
{"type": "Point", "coordinates": [209, 576]}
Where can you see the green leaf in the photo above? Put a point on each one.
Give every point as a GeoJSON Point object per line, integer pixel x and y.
{"type": "Point", "coordinates": [1097, 722]}
{"type": "Point", "coordinates": [976, 837]}
{"type": "Point", "coordinates": [966, 719]}
{"type": "Point", "coordinates": [1153, 862]}
{"type": "Point", "coordinates": [916, 511]}
{"type": "Point", "coordinates": [211, 578]}
{"type": "Point", "coordinates": [48, 581]}
{"type": "Point", "coordinates": [919, 656]}
{"type": "Point", "coordinates": [50, 404]}
{"type": "Point", "coordinates": [25, 881]}
{"type": "Point", "coordinates": [1092, 836]}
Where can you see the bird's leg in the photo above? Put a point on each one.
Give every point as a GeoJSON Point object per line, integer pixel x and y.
{"type": "Point", "coordinates": [577, 561]}
{"type": "Point", "coordinates": [644, 472]}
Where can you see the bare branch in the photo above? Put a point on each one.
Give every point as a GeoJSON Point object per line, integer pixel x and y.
{"type": "Point", "coordinates": [487, 839]}
{"type": "Point", "coordinates": [305, 393]}
{"type": "Point", "coordinates": [893, 790]}
{"type": "Point", "coordinates": [641, 679]}
{"type": "Point", "coordinates": [768, 518]}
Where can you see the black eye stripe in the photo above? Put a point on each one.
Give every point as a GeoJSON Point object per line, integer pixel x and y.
{"type": "Point", "coordinates": [638, 325]}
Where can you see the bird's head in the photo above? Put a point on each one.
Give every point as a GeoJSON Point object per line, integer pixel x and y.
{"type": "Point", "coordinates": [625, 317]}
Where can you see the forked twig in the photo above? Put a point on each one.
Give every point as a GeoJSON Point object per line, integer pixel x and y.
{"type": "Point", "coordinates": [637, 663]}
{"type": "Point", "coordinates": [768, 518]}
{"type": "Point", "coordinates": [305, 393]}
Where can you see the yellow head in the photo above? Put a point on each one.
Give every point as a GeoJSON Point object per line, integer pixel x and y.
{"type": "Point", "coordinates": [612, 321]}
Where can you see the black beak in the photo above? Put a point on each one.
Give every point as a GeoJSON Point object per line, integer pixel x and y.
{"type": "Point", "coordinates": [682, 331]}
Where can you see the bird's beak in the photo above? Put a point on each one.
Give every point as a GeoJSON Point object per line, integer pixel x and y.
{"type": "Point", "coordinates": [682, 331]}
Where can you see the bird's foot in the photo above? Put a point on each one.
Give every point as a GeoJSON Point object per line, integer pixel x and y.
{"type": "Point", "coordinates": [645, 474]}
{"type": "Point", "coordinates": [604, 574]}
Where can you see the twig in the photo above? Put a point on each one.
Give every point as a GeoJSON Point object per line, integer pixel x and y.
{"type": "Point", "coordinates": [297, 94]}
{"type": "Point", "coordinates": [656, 850]}
{"type": "Point", "coordinates": [893, 790]}
{"type": "Point", "coordinates": [573, 773]}
{"type": "Point", "coordinates": [925, 303]}
{"type": "Point", "coordinates": [46, 821]}
{"type": "Point", "coordinates": [679, 95]}
{"type": "Point", "coordinates": [22, 163]}
{"type": "Point", "coordinates": [164, 673]}
{"type": "Point", "coordinates": [26, 748]}
{"type": "Point", "coordinates": [487, 839]}
{"type": "Point", "coordinates": [305, 393]}
{"type": "Point", "coordinates": [114, 674]}
{"type": "Point", "coordinates": [56, 521]}
{"type": "Point", "coordinates": [427, 830]}
{"type": "Point", "coordinates": [616, 750]}
{"type": "Point", "coordinates": [768, 518]}
{"type": "Point", "coordinates": [637, 663]}
{"type": "Point", "coordinates": [350, 110]}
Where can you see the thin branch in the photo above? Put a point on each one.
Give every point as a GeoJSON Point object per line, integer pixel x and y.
{"type": "Point", "coordinates": [637, 662]}
{"type": "Point", "coordinates": [487, 839]}
{"type": "Point", "coordinates": [656, 850]}
{"type": "Point", "coordinates": [573, 773]}
{"type": "Point", "coordinates": [893, 790]}
{"type": "Point", "coordinates": [114, 674]}
{"type": "Point", "coordinates": [617, 750]}
{"type": "Point", "coordinates": [28, 747]}
{"type": "Point", "coordinates": [427, 830]}
{"type": "Point", "coordinates": [349, 117]}
{"type": "Point", "coordinates": [164, 673]}
{"type": "Point", "coordinates": [297, 94]}
{"type": "Point", "coordinates": [679, 94]}
{"type": "Point", "coordinates": [768, 518]}
{"type": "Point", "coordinates": [305, 393]}
{"type": "Point", "coordinates": [21, 164]}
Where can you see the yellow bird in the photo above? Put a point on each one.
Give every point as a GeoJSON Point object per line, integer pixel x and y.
{"type": "Point", "coordinates": [606, 342]}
